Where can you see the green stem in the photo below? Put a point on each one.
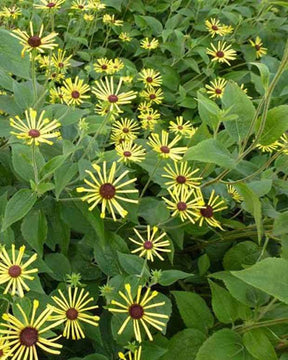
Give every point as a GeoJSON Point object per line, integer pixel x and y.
{"type": "Point", "coordinates": [243, 329]}
{"type": "Point", "coordinates": [150, 178]}
{"type": "Point", "coordinates": [34, 164]}
{"type": "Point", "coordinates": [33, 74]}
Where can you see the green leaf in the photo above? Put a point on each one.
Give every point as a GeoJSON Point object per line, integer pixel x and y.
{"type": "Point", "coordinates": [276, 124]}
{"type": "Point", "coordinates": [132, 264]}
{"type": "Point", "coordinates": [63, 175]}
{"type": "Point", "coordinates": [23, 94]}
{"type": "Point", "coordinates": [280, 225]}
{"type": "Point", "coordinates": [203, 264]}
{"type": "Point", "coordinates": [52, 165]}
{"type": "Point", "coordinates": [168, 277]}
{"type": "Point", "coordinates": [269, 275]}
{"type": "Point", "coordinates": [59, 264]}
{"type": "Point", "coordinates": [208, 110]}
{"type": "Point", "coordinates": [154, 211]}
{"type": "Point", "coordinates": [259, 345]}
{"type": "Point", "coordinates": [18, 206]}
{"type": "Point", "coordinates": [193, 310]}
{"type": "Point", "coordinates": [242, 254]}
{"type": "Point", "coordinates": [34, 230]}
{"type": "Point", "coordinates": [241, 106]}
{"type": "Point", "coordinates": [264, 73]}
{"type": "Point", "coordinates": [211, 151]}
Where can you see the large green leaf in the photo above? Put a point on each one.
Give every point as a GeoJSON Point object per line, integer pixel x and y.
{"type": "Point", "coordinates": [259, 345]}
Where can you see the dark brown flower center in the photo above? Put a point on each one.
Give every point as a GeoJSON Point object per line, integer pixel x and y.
{"type": "Point", "coordinates": [152, 96]}
{"type": "Point", "coordinates": [181, 206]}
{"type": "Point", "coordinates": [75, 94]}
{"type": "Point", "coordinates": [28, 336]}
{"type": "Point", "coordinates": [1, 353]}
{"type": "Point", "coordinates": [71, 314]}
{"type": "Point", "coordinates": [149, 118]}
{"type": "Point", "coordinates": [112, 98]}
{"type": "Point", "coordinates": [14, 271]}
{"type": "Point", "coordinates": [181, 179]}
{"type": "Point", "coordinates": [257, 47]}
{"type": "Point", "coordinates": [107, 191]}
{"type": "Point", "coordinates": [127, 153]}
{"type": "Point", "coordinates": [165, 149]}
{"type": "Point", "coordinates": [34, 133]}
{"type": "Point", "coordinates": [61, 64]}
{"type": "Point", "coordinates": [34, 41]}
{"type": "Point", "coordinates": [207, 212]}
{"type": "Point", "coordinates": [148, 245]}
{"type": "Point", "coordinates": [125, 130]}
{"type": "Point", "coordinates": [51, 5]}
{"type": "Point", "coordinates": [80, 6]}
{"type": "Point", "coordinates": [214, 27]}
{"type": "Point", "coordinates": [218, 91]}
{"type": "Point", "coordinates": [149, 79]}
{"type": "Point", "coordinates": [180, 127]}
{"type": "Point", "coordinates": [220, 54]}
{"type": "Point", "coordinates": [136, 311]}
{"type": "Point", "coordinates": [104, 66]}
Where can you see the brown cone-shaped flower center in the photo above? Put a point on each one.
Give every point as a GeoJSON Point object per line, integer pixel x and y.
{"type": "Point", "coordinates": [103, 67]}
{"type": "Point", "coordinates": [181, 179]}
{"type": "Point", "coordinates": [107, 191]}
{"type": "Point", "coordinates": [136, 311]}
{"type": "Point", "coordinates": [180, 127]}
{"type": "Point", "coordinates": [1, 353]}
{"type": "Point", "coordinates": [214, 27]}
{"type": "Point", "coordinates": [34, 133]}
{"type": "Point", "coordinates": [149, 118]}
{"type": "Point", "coordinates": [218, 91]}
{"type": "Point", "coordinates": [207, 212]}
{"type": "Point", "coordinates": [28, 336]}
{"type": "Point", "coordinates": [148, 245]}
{"type": "Point", "coordinates": [51, 5]}
{"type": "Point", "coordinates": [149, 79]}
{"type": "Point", "coordinates": [165, 149]}
{"type": "Point", "coordinates": [61, 64]}
{"type": "Point", "coordinates": [71, 314]}
{"type": "Point", "coordinates": [75, 94]}
{"type": "Point", "coordinates": [34, 41]}
{"type": "Point", "coordinates": [125, 130]}
{"type": "Point", "coordinates": [257, 47]}
{"type": "Point", "coordinates": [127, 153]}
{"type": "Point", "coordinates": [80, 7]}
{"type": "Point", "coordinates": [14, 271]}
{"type": "Point", "coordinates": [220, 54]}
{"type": "Point", "coordinates": [181, 206]}
{"type": "Point", "coordinates": [152, 96]}
{"type": "Point", "coordinates": [112, 98]}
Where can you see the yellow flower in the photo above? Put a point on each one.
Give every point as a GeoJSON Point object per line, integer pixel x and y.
{"type": "Point", "coordinates": [49, 4]}
{"type": "Point", "coordinates": [35, 131]}
{"type": "Point", "coordinates": [149, 44]}
{"type": "Point", "coordinates": [73, 93]}
{"type": "Point", "coordinates": [207, 210]}
{"type": "Point", "coordinates": [12, 12]}
{"type": "Point", "coordinates": [150, 246]}
{"type": "Point", "coordinates": [72, 311]}
{"type": "Point", "coordinates": [107, 92]}
{"type": "Point", "coordinates": [4, 349]}
{"type": "Point", "coordinates": [96, 5]}
{"type": "Point", "coordinates": [258, 45]}
{"type": "Point", "coordinates": [55, 76]}
{"type": "Point", "coordinates": [137, 311]}
{"type": "Point", "coordinates": [153, 95]}
{"type": "Point", "coordinates": [56, 95]}
{"type": "Point", "coordinates": [183, 203]}
{"type": "Point", "coordinates": [222, 53]}
{"type": "Point", "coordinates": [227, 29]}
{"type": "Point", "coordinates": [180, 128]}
{"type": "Point", "coordinates": [88, 17]}
{"type": "Point", "coordinates": [44, 61]}
{"type": "Point", "coordinates": [245, 90]}
{"type": "Point", "coordinates": [144, 106]}
{"type": "Point", "coordinates": [24, 337]}
{"type": "Point", "coordinates": [110, 20]}
{"type": "Point", "coordinates": [165, 149]}
{"type": "Point", "coordinates": [105, 189]}
{"type": "Point", "coordinates": [129, 152]}
{"type": "Point", "coordinates": [126, 129]}
{"type": "Point", "coordinates": [149, 118]}
{"type": "Point", "coordinates": [127, 79]}
{"type": "Point", "coordinates": [125, 37]}
{"type": "Point", "coordinates": [284, 143]}
{"type": "Point", "coordinates": [35, 42]}
{"type": "Point", "coordinates": [60, 62]}
{"type": "Point", "coordinates": [150, 78]}
{"type": "Point", "coordinates": [14, 272]}
{"type": "Point", "coordinates": [269, 147]}
{"type": "Point", "coordinates": [234, 194]}
{"type": "Point", "coordinates": [103, 65]}
{"type": "Point", "coordinates": [116, 65]}
{"type": "Point", "coordinates": [216, 88]}
{"type": "Point", "coordinates": [214, 27]}
{"type": "Point", "coordinates": [79, 5]}
{"type": "Point", "coordinates": [131, 356]}
{"type": "Point", "coordinates": [181, 176]}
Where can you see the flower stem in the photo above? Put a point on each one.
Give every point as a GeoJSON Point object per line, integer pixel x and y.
{"type": "Point", "coordinates": [34, 164]}
{"type": "Point", "coordinates": [33, 74]}
{"type": "Point", "coordinates": [150, 178]}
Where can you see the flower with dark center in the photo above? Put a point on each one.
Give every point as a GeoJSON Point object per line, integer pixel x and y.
{"type": "Point", "coordinates": [214, 27]}
{"type": "Point", "coordinates": [181, 206]}
{"type": "Point", "coordinates": [130, 152]}
{"type": "Point", "coordinates": [75, 94]}
{"type": "Point", "coordinates": [220, 54]}
{"type": "Point", "coordinates": [218, 91]}
{"type": "Point", "coordinates": [107, 191]}
{"type": "Point", "coordinates": [34, 133]}
{"type": "Point", "coordinates": [104, 66]}
{"type": "Point", "coordinates": [112, 98]}
{"type": "Point", "coordinates": [28, 336]}
{"type": "Point", "coordinates": [61, 65]}
{"type": "Point", "coordinates": [72, 314]}
{"type": "Point", "coordinates": [148, 245]}
{"type": "Point", "coordinates": [127, 153]}
{"type": "Point", "coordinates": [257, 47]}
{"type": "Point", "coordinates": [136, 311]}
{"type": "Point", "coordinates": [149, 79]}
{"type": "Point", "coordinates": [34, 41]}
{"type": "Point", "coordinates": [51, 5]}
{"type": "Point", "coordinates": [207, 211]}
{"type": "Point", "coordinates": [165, 149]}
{"type": "Point", "coordinates": [152, 96]}
{"type": "Point", "coordinates": [14, 271]}
{"type": "Point", "coordinates": [180, 127]}
{"type": "Point", "coordinates": [216, 88]}
{"type": "Point", "coordinates": [181, 179]}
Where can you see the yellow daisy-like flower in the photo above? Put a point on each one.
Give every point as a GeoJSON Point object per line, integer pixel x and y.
{"type": "Point", "coordinates": [96, 5]}
{"type": "Point", "coordinates": [149, 118]}
{"type": "Point", "coordinates": [181, 176]}
{"type": "Point", "coordinates": [258, 45]}
{"type": "Point", "coordinates": [125, 37]}
{"type": "Point", "coordinates": [25, 335]}
{"type": "Point", "coordinates": [127, 79]}
{"type": "Point", "coordinates": [184, 203]}
{"type": "Point", "coordinates": [227, 29]}
{"type": "Point", "coordinates": [73, 93]}
{"type": "Point", "coordinates": [35, 42]}
{"type": "Point", "coordinates": [234, 194]}
{"type": "Point", "coordinates": [60, 61]}
{"type": "Point", "coordinates": [105, 189]}
{"type": "Point", "coordinates": [56, 95]}
{"type": "Point", "coordinates": [182, 128]}
{"type": "Point", "coordinates": [79, 5]}
{"type": "Point", "coordinates": [144, 106]}
{"type": "Point", "coordinates": [150, 78]}
{"type": "Point", "coordinates": [72, 311]}
{"type": "Point", "coordinates": [57, 77]}
{"type": "Point", "coordinates": [35, 131]}
{"type": "Point", "coordinates": [129, 152]}
{"type": "Point", "coordinates": [153, 95]}
{"type": "Point", "coordinates": [149, 44]}
{"type": "Point", "coordinates": [245, 90]}
{"type": "Point", "coordinates": [44, 61]}
{"type": "Point", "coordinates": [49, 4]}
{"type": "Point", "coordinates": [284, 143]}
{"type": "Point", "coordinates": [269, 147]}
{"type": "Point", "coordinates": [116, 65]}
{"type": "Point", "coordinates": [14, 272]}
{"type": "Point", "coordinates": [4, 349]}
{"type": "Point", "coordinates": [207, 210]}
{"type": "Point", "coordinates": [214, 27]}
{"type": "Point", "coordinates": [137, 311]}
{"type": "Point", "coordinates": [126, 129]}
{"type": "Point", "coordinates": [107, 92]}
{"type": "Point", "coordinates": [88, 17]}
{"type": "Point", "coordinates": [216, 88]}
{"type": "Point", "coordinates": [11, 12]}
{"type": "Point", "coordinates": [165, 149]}
{"type": "Point", "coordinates": [110, 20]}
{"type": "Point", "coordinates": [151, 246]}
{"type": "Point", "coordinates": [222, 53]}
{"type": "Point", "coordinates": [136, 355]}
{"type": "Point", "coordinates": [103, 65]}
